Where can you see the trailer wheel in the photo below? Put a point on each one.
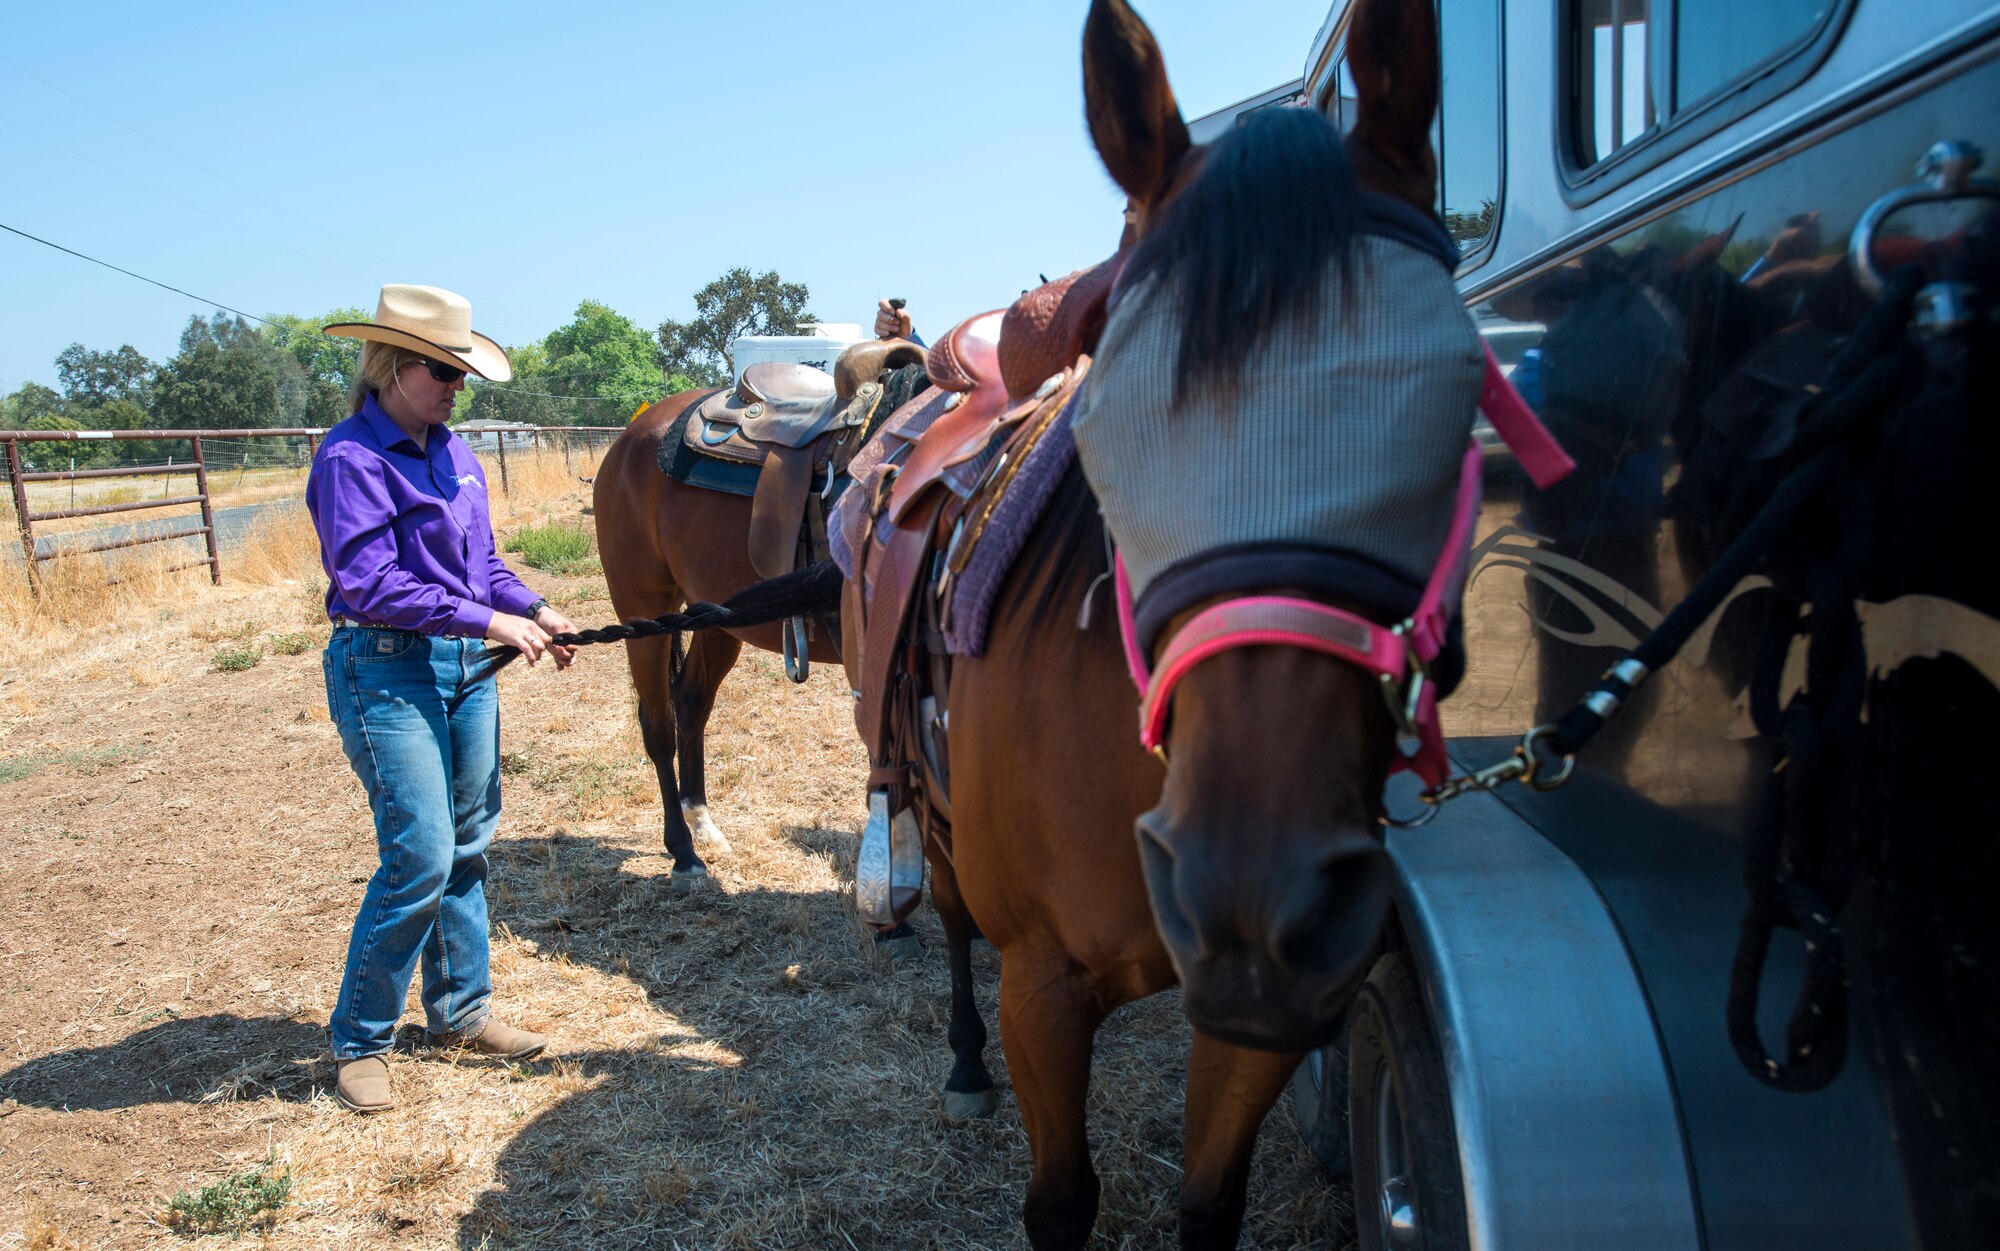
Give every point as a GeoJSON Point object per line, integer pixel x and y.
{"type": "Point", "coordinates": [1408, 1192]}
{"type": "Point", "coordinates": [1319, 1098]}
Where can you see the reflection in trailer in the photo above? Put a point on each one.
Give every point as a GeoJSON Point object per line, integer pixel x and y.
{"type": "Point", "coordinates": [1577, 1038]}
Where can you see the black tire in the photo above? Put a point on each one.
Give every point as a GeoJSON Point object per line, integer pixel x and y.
{"type": "Point", "coordinates": [1319, 1098]}
{"type": "Point", "coordinates": [1400, 1118]}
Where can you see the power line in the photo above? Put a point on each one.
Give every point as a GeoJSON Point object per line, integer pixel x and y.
{"type": "Point", "coordinates": [129, 274]}
{"type": "Point", "coordinates": [508, 388]}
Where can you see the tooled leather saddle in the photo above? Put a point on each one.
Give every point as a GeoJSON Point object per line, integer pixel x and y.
{"type": "Point", "coordinates": [1000, 381]}
{"type": "Point", "coordinates": [792, 430]}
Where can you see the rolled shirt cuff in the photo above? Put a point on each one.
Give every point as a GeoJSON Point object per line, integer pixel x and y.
{"type": "Point", "coordinates": [515, 599]}
{"type": "Point", "coordinates": [470, 619]}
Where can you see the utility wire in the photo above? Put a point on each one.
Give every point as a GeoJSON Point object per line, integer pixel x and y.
{"type": "Point", "coordinates": [129, 274]}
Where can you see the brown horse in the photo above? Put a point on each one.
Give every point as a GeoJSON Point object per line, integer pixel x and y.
{"type": "Point", "coordinates": [665, 544]}
{"type": "Point", "coordinates": [1260, 841]}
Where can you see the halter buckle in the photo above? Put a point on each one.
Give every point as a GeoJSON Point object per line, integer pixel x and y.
{"type": "Point", "coordinates": [1406, 698]}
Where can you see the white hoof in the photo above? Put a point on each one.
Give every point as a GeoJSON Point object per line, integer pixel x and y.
{"type": "Point", "coordinates": [706, 837]}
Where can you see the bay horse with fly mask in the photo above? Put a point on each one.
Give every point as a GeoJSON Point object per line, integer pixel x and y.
{"type": "Point", "coordinates": [664, 544]}
{"type": "Point", "coordinates": [1257, 881]}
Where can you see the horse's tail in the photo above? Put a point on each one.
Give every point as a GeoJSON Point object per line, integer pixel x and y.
{"type": "Point", "coordinates": [814, 589]}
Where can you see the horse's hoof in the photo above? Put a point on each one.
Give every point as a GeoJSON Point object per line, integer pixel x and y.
{"type": "Point", "coordinates": [706, 836]}
{"type": "Point", "coordinates": [971, 1105]}
{"type": "Point", "coordinates": [681, 881]}
{"type": "Point", "coordinates": [902, 950]}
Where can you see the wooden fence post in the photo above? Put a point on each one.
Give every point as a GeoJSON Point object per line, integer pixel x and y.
{"type": "Point", "coordinates": [501, 439]}
{"type": "Point", "coordinates": [207, 513]}
{"type": "Point", "coordinates": [21, 514]}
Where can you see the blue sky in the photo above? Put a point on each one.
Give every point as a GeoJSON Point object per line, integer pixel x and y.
{"type": "Point", "coordinates": [532, 157]}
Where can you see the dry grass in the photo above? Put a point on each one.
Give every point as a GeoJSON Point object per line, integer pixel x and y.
{"type": "Point", "coordinates": [732, 1068]}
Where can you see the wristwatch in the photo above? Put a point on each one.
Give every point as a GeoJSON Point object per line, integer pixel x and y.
{"type": "Point", "coordinates": [535, 609]}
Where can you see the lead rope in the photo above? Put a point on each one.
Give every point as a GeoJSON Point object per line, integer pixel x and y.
{"type": "Point", "coordinates": [1797, 859]}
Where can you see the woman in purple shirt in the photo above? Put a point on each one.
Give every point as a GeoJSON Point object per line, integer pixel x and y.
{"type": "Point", "coordinates": [414, 587]}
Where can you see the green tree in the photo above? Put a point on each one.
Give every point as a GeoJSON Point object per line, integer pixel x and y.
{"type": "Point", "coordinates": [596, 370]}
{"type": "Point", "coordinates": [30, 401]}
{"type": "Point", "coordinates": [328, 363]}
{"type": "Point", "coordinates": [91, 379]}
{"type": "Point", "coordinates": [228, 376]}
{"type": "Point", "coordinates": [732, 306]}
{"type": "Point", "coordinates": [40, 457]}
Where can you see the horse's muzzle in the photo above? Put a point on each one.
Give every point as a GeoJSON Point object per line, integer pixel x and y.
{"type": "Point", "coordinates": [1270, 950]}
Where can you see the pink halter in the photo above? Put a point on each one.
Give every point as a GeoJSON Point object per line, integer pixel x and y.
{"type": "Point", "coordinates": [1400, 655]}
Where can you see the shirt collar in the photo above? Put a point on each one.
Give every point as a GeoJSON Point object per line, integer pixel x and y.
{"type": "Point", "coordinates": [388, 434]}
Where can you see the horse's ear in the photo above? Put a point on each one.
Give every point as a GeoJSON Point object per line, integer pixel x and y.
{"type": "Point", "coordinates": [1133, 118]}
{"type": "Point", "coordinates": [1392, 51]}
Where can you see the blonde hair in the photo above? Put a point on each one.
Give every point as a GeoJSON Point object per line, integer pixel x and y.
{"type": "Point", "coordinates": [380, 363]}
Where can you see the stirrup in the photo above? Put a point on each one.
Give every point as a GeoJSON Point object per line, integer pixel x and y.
{"type": "Point", "coordinates": [798, 663]}
{"type": "Point", "coordinates": [889, 872]}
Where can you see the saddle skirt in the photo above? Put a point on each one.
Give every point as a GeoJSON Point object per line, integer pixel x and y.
{"type": "Point", "coordinates": [946, 494]}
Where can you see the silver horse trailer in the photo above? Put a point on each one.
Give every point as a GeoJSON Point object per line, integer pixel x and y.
{"type": "Point", "coordinates": [1659, 204]}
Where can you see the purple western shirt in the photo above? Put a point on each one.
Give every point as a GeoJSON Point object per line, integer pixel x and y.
{"type": "Point", "coordinates": [404, 532]}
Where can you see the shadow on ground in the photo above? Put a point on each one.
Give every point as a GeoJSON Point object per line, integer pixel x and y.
{"type": "Point", "coordinates": [792, 1099]}
{"type": "Point", "coordinates": [193, 1059]}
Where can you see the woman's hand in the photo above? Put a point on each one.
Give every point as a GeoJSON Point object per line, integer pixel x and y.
{"type": "Point", "coordinates": [891, 323]}
{"type": "Point", "coordinates": [555, 623]}
{"type": "Point", "coordinates": [525, 636]}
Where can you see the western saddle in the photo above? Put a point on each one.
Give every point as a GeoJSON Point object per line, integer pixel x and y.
{"type": "Point", "coordinates": [799, 427]}
{"type": "Point", "coordinates": [1002, 380]}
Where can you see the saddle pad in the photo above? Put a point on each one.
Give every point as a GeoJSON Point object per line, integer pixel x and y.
{"type": "Point", "coordinates": [683, 464]}
{"type": "Point", "coordinates": [1014, 517]}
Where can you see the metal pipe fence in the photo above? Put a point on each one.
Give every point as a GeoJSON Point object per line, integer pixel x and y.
{"type": "Point", "coordinates": [73, 456]}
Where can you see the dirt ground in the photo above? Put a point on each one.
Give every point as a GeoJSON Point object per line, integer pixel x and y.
{"type": "Point", "coordinates": [732, 1068]}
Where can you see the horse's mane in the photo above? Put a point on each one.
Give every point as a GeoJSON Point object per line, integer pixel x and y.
{"type": "Point", "coordinates": [1247, 244]}
{"type": "Point", "coordinates": [1067, 544]}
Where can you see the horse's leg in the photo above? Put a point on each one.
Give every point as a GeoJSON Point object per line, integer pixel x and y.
{"type": "Point", "coordinates": [1048, 1022]}
{"type": "Point", "coordinates": [709, 659]}
{"type": "Point", "coordinates": [649, 661]}
{"type": "Point", "coordinates": [968, 1092]}
{"type": "Point", "coordinates": [1229, 1091]}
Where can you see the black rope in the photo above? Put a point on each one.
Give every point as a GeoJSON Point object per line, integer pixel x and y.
{"type": "Point", "coordinates": [810, 590]}
{"type": "Point", "coordinates": [1812, 536]}
{"type": "Point", "coordinates": [1865, 375]}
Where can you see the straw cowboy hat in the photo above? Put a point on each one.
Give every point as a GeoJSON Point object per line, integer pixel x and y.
{"type": "Point", "coordinates": [434, 322]}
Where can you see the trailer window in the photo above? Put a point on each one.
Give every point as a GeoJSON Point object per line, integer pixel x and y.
{"type": "Point", "coordinates": [1614, 82]}
{"type": "Point", "coordinates": [1636, 65]}
{"type": "Point", "coordinates": [1716, 41]}
{"type": "Point", "coordinates": [1469, 120]}
{"type": "Point", "coordinates": [1341, 105]}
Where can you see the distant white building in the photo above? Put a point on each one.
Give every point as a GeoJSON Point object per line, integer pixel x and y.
{"type": "Point", "coordinates": [487, 436]}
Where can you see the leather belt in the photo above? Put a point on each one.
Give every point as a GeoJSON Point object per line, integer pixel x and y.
{"type": "Point", "coordinates": [349, 623]}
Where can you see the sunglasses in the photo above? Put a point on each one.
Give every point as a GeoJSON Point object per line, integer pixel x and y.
{"type": "Point", "coordinates": [443, 373]}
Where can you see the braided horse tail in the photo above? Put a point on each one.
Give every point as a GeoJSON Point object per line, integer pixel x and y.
{"type": "Point", "coordinates": [814, 589]}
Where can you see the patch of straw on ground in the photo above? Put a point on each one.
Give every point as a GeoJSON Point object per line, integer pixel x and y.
{"type": "Point", "coordinates": [735, 1067]}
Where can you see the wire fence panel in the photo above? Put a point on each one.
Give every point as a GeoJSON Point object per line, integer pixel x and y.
{"type": "Point", "coordinates": [57, 476]}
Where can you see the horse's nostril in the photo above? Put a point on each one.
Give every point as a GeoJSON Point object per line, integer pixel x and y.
{"type": "Point", "coordinates": [1172, 912]}
{"type": "Point", "coordinates": [1330, 914]}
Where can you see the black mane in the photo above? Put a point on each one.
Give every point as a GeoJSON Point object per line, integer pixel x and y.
{"type": "Point", "coordinates": [1247, 244]}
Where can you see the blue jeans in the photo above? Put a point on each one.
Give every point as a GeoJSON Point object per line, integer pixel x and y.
{"type": "Point", "coordinates": [428, 750]}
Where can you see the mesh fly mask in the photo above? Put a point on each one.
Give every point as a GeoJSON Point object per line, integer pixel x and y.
{"type": "Point", "coordinates": [1342, 463]}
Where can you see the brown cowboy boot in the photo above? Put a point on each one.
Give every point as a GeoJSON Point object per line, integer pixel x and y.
{"type": "Point", "coordinates": [491, 1039]}
{"type": "Point", "coordinates": [363, 1085]}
